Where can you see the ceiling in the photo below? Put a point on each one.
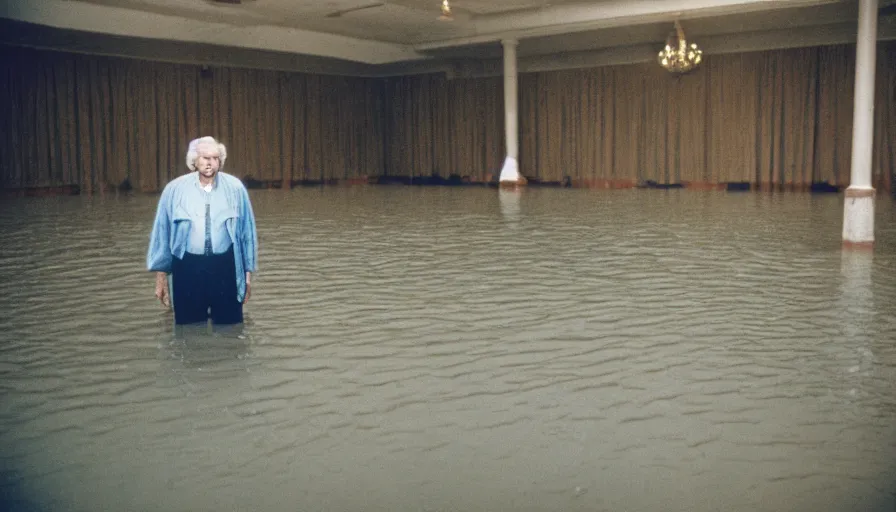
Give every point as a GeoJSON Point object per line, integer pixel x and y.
{"type": "Point", "coordinates": [404, 36]}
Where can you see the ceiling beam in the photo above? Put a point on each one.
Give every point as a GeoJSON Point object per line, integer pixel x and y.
{"type": "Point", "coordinates": [767, 40]}
{"type": "Point", "coordinates": [363, 58]}
{"type": "Point", "coordinates": [41, 37]}
{"type": "Point", "coordinates": [563, 19]}
{"type": "Point", "coordinates": [21, 34]}
{"type": "Point", "coordinates": [129, 22]}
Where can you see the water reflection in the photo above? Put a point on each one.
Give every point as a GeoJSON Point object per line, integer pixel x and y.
{"type": "Point", "coordinates": [856, 290]}
{"type": "Point", "coordinates": [207, 357]}
{"type": "Point", "coordinates": [856, 307]}
{"type": "Point", "coordinates": [201, 345]}
{"type": "Point", "coordinates": [510, 203]}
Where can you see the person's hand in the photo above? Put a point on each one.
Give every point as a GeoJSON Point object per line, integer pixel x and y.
{"type": "Point", "coordinates": [162, 289]}
{"type": "Point", "coordinates": [248, 287]}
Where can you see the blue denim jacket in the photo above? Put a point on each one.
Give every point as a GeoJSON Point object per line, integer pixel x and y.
{"type": "Point", "coordinates": [171, 229]}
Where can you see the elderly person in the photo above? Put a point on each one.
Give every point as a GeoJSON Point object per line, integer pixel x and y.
{"type": "Point", "coordinates": [204, 236]}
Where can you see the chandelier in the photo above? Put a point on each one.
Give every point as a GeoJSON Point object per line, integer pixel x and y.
{"type": "Point", "coordinates": [678, 56]}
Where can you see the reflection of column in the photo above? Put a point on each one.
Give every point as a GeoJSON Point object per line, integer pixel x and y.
{"type": "Point", "coordinates": [510, 203]}
{"type": "Point", "coordinates": [855, 268]}
{"type": "Point", "coordinates": [510, 171]}
{"type": "Point", "coordinates": [856, 305]}
{"type": "Point", "coordinates": [858, 208]}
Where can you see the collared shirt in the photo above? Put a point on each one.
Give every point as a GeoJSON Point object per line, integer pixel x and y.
{"type": "Point", "coordinates": [182, 207]}
{"type": "Point", "coordinates": [195, 201]}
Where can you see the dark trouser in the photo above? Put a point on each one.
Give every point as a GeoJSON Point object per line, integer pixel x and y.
{"type": "Point", "coordinates": [205, 283]}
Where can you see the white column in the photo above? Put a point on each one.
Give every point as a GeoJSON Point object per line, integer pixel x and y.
{"type": "Point", "coordinates": [858, 208]}
{"type": "Point", "coordinates": [510, 170]}
{"type": "Point", "coordinates": [510, 98]}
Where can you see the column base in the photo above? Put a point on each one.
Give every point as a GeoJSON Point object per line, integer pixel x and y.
{"type": "Point", "coordinates": [510, 174]}
{"type": "Point", "coordinates": [858, 218]}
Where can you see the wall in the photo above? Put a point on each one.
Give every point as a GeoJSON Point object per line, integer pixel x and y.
{"type": "Point", "coordinates": [775, 119]}
{"type": "Point", "coordinates": [90, 123]}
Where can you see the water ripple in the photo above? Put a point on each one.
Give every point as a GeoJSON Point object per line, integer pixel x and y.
{"type": "Point", "coordinates": [458, 349]}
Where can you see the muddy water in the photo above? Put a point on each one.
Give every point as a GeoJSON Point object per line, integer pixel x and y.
{"type": "Point", "coordinates": [417, 349]}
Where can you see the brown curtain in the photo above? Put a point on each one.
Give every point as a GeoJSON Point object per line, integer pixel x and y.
{"type": "Point", "coordinates": [444, 127]}
{"type": "Point", "coordinates": [774, 119]}
{"type": "Point", "coordinates": [94, 122]}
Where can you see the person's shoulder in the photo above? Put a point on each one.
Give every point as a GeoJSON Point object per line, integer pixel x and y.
{"type": "Point", "coordinates": [231, 180]}
{"type": "Point", "coordinates": [180, 180]}
{"type": "Point", "coordinates": [176, 182]}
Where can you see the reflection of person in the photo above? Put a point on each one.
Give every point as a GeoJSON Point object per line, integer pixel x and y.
{"type": "Point", "coordinates": [204, 236]}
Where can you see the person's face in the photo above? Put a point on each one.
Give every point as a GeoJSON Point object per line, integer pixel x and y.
{"type": "Point", "coordinates": [208, 160]}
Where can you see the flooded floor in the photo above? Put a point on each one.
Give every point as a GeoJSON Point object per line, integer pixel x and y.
{"type": "Point", "coordinates": [443, 349]}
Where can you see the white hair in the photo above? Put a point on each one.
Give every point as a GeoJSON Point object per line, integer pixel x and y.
{"type": "Point", "coordinates": [193, 150]}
